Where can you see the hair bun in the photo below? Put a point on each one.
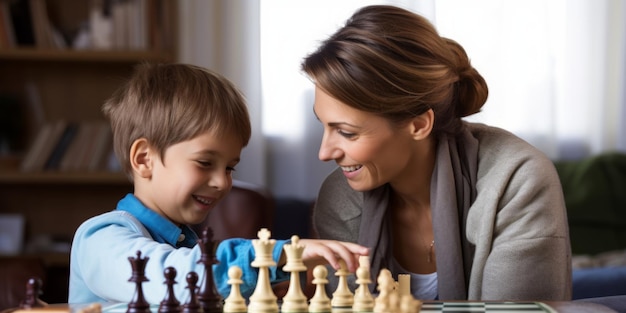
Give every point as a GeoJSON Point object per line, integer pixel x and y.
{"type": "Point", "coordinates": [472, 90]}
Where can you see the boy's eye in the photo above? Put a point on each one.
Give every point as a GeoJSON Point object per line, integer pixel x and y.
{"type": "Point", "coordinates": [230, 169]}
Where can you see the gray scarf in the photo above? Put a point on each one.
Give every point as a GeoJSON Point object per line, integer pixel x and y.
{"type": "Point", "coordinates": [454, 174]}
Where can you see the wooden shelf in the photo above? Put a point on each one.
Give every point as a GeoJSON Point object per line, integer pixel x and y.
{"type": "Point", "coordinates": [58, 178]}
{"type": "Point", "coordinates": [77, 56]}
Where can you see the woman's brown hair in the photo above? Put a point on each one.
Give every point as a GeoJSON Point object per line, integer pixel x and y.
{"type": "Point", "coordinates": [392, 62]}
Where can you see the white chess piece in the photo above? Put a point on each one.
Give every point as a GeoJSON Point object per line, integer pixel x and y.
{"type": "Point", "coordinates": [294, 300]}
{"type": "Point", "coordinates": [320, 302]}
{"type": "Point", "coordinates": [263, 299]}
{"type": "Point", "coordinates": [342, 297]}
{"type": "Point", "coordinates": [385, 288]}
{"type": "Point", "coordinates": [408, 304]}
{"type": "Point", "coordinates": [363, 299]}
{"type": "Point", "coordinates": [235, 302]}
{"type": "Point", "coordinates": [404, 284]}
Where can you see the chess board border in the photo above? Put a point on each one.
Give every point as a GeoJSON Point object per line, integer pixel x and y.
{"type": "Point", "coordinates": [433, 307]}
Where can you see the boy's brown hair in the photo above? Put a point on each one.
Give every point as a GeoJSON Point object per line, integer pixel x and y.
{"type": "Point", "coordinates": [171, 103]}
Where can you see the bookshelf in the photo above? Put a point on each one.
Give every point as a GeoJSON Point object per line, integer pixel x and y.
{"type": "Point", "coordinates": [67, 79]}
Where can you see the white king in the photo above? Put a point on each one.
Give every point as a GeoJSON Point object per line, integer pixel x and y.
{"type": "Point", "coordinates": [294, 300]}
{"type": "Point", "coordinates": [263, 299]}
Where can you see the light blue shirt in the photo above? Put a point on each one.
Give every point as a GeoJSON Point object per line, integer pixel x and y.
{"type": "Point", "coordinates": [100, 267]}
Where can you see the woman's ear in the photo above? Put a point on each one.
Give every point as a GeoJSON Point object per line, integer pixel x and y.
{"type": "Point", "coordinates": [141, 158]}
{"type": "Point", "coordinates": [422, 125]}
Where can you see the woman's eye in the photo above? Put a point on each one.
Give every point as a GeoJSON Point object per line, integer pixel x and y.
{"type": "Point", "coordinates": [204, 163]}
{"type": "Point", "coordinates": [346, 134]}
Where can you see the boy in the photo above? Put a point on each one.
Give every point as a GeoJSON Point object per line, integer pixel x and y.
{"type": "Point", "coordinates": [178, 132]}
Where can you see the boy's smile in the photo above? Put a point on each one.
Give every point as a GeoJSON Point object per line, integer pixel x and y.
{"type": "Point", "coordinates": [192, 177]}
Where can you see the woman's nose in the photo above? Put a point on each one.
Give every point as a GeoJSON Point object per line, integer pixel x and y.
{"type": "Point", "coordinates": [328, 150]}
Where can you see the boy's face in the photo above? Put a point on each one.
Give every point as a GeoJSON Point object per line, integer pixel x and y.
{"type": "Point", "coordinates": [192, 178]}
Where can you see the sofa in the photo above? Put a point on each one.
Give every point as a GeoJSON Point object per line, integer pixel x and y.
{"type": "Point", "coordinates": [595, 197]}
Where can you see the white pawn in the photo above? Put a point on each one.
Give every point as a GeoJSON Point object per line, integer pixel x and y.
{"type": "Point", "coordinates": [235, 302]}
{"type": "Point", "coordinates": [363, 299]}
{"type": "Point", "coordinates": [294, 300]}
{"type": "Point", "coordinates": [320, 302]}
{"type": "Point", "coordinates": [263, 299]}
{"type": "Point", "coordinates": [342, 297]}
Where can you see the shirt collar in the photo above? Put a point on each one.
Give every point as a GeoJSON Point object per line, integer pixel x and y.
{"type": "Point", "coordinates": [160, 228]}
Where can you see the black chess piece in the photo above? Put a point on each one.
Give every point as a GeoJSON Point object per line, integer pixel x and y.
{"type": "Point", "coordinates": [210, 300]}
{"type": "Point", "coordinates": [169, 304]}
{"type": "Point", "coordinates": [193, 306]}
{"type": "Point", "coordinates": [139, 303]}
{"type": "Point", "coordinates": [33, 290]}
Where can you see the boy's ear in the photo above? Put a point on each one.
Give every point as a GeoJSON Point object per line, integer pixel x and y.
{"type": "Point", "coordinates": [422, 125]}
{"type": "Point", "coordinates": [141, 158]}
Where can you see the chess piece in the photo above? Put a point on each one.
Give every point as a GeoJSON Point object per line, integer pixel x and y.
{"type": "Point", "coordinates": [210, 300]}
{"type": "Point", "coordinates": [294, 300]}
{"type": "Point", "coordinates": [169, 304]}
{"type": "Point", "coordinates": [342, 297]}
{"type": "Point", "coordinates": [320, 302]}
{"type": "Point", "coordinates": [385, 289]}
{"type": "Point", "coordinates": [408, 304]}
{"type": "Point", "coordinates": [192, 306]}
{"type": "Point", "coordinates": [363, 299]}
{"type": "Point", "coordinates": [235, 302]}
{"type": "Point", "coordinates": [139, 303]}
{"type": "Point", "coordinates": [33, 290]}
{"type": "Point", "coordinates": [263, 299]}
{"type": "Point", "coordinates": [404, 284]}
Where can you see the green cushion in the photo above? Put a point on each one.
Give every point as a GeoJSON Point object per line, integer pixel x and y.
{"type": "Point", "coordinates": [595, 197]}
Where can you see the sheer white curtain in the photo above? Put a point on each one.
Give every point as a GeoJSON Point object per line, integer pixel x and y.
{"type": "Point", "coordinates": [223, 35]}
{"type": "Point", "coordinates": [555, 69]}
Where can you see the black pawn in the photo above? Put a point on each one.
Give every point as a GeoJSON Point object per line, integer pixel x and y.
{"type": "Point", "coordinates": [33, 290]}
{"type": "Point", "coordinates": [139, 303]}
{"type": "Point", "coordinates": [193, 306]}
{"type": "Point", "coordinates": [169, 304]}
{"type": "Point", "coordinates": [210, 300]}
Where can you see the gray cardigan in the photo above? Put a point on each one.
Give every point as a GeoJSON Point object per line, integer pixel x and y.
{"type": "Point", "coordinates": [516, 227]}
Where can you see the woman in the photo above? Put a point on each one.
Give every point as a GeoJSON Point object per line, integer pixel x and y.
{"type": "Point", "coordinates": [470, 211]}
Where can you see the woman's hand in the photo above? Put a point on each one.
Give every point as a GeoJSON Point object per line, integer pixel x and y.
{"type": "Point", "coordinates": [318, 251]}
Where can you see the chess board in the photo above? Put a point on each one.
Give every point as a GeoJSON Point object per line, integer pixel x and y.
{"type": "Point", "coordinates": [432, 307]}
{"type": "Point", "coordinates": [487, 307]}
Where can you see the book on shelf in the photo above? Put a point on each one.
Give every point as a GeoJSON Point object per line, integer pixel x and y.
{"type": "Point", "coordinates": [103, 144]}
{"type": "Point", "coordinates": [131, 24]}
{"type": "Point", "coordinates": [67, 136]}
{"type": "Point", "coordinates": [114, 24]}
{"type": "Point", "coordinates": [45, 34]}
{"type": "Point", "coordinates": [7, 35]}
{"type": "Point", "coordinates": [27, 23]}
{"type": "Point", "coordinates": [44, 144]}
{"type": "Point", "coordinates": [78, 149]}
{"type": "Point", "coordinates": [22, 22]}
{"type": "Point", "coordinates": [65, 146]}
